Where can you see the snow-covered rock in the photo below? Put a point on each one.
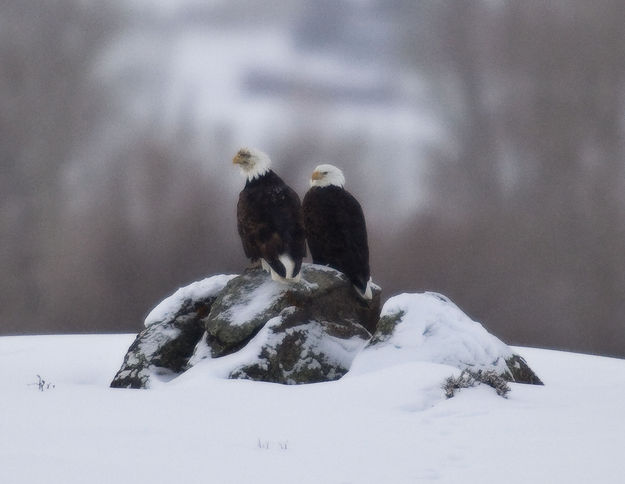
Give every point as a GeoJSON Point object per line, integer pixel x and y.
{"type": "Point", "coordinates": [252, 299]}
{"type": "Point", "coordinates": [180, 302]}
{"type": "Point", "coordinates": [429, 327]}
{"type": "Point", "coordinates": [289, 351]}
{"type": "Point", "coordinates": [298, 333]}
{"type": "Point", "coordinates": [173, 328]}
{"type": "Point", "coordinates": [252, 327]}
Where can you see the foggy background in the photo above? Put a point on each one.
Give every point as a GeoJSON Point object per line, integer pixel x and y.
{"type": "Point", "coordinates": [484, 139]}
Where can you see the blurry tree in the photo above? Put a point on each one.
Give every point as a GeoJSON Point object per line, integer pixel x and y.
{"type": "Point", "coordinates": [527, 223]}
{"type": "Point", "coordinates": [149, 219]}
{"type": "Point", "coordinates": [46, 101]}
{"type": "Point", "coordinates": [523, 225]}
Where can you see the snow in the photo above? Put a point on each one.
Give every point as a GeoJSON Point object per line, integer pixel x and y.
{"type": "Point", "coordinates": [433, 329]}
{"type": "Point", "coordinates": [389, 425]}
{"type": "Point", "coordinates": [205, 288]}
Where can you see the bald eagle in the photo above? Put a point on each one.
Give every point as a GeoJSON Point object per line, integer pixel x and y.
{"type": "Point", "coordinates": [335, 228]}
{"type": "Point", "coordinates": [269, 218]}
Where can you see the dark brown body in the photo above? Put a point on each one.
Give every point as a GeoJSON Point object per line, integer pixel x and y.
{"type": "Point", "coordinates": [337, 233]}
{"type": "Point", "coordinates": [270, 222]}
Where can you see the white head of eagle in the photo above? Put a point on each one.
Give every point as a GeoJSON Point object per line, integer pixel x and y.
{"type": "Point", "coordinates": [326, 175]}
{"type": "Point", "coordinates": [252, 162]}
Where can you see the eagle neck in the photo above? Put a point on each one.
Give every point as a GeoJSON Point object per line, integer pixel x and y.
{"type": "Point", "coordinates": [258, 179]}
{"type": "Point", "coordinates": [329, 188]}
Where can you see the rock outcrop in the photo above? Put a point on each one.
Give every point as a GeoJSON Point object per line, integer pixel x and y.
{"type": "Point", "coordinates": [173, 328]}
{"type": "Point", "coordinates": [429, 327]}
{"type": "Point", "coordinates": [299, 333]}
{"type": "Point", "coordinates": [252, 327]}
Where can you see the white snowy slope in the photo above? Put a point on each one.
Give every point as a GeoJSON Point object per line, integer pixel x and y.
{"type": "Point", "coordinates": [390, 425]}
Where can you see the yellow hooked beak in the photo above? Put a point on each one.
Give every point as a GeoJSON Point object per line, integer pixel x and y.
{"type": "Point", "coordinates": [317, 175]}
{"type": "Point", "coordinates": [237, 160]}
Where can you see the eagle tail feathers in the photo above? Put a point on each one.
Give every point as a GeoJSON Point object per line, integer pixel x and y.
{"type": "Point", "coordinates": [283, 269]}
{"type": "Point", "coordinates": [367, 292]}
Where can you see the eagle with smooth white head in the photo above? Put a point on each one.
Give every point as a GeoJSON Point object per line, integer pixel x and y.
{"type": "Point", "coordinates": [335, 228]}
{"type": "Point", "coordinates": [269, 218]}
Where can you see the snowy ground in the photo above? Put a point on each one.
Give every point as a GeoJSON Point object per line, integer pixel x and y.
{"type": "Point", "coordinates": [391, 426]}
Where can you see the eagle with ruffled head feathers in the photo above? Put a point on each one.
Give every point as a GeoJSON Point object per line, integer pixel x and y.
{"type": "Point", "coordinates": [269, 218]}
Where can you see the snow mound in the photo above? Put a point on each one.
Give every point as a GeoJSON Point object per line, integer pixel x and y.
{"type": "Point", "coordinates": [168, 308]}
{"type": "Point", "coordinates": [429, 327]}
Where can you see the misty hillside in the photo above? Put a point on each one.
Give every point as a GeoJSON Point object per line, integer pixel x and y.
{"type": "Point", "coordinates": [484, 140]}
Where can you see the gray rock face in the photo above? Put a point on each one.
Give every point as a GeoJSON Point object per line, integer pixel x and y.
{"type": "Point", "coordinates": [251, 300]}
{"type": "Point", "coordinates": [299, 333]}
{"type": "Point", "coordinates": [162, 350]}
{"type": "Point", "coordinates": [291, 352]}
{"type": "Point", "coordinates": [159, 351]}
{"type": "Point", "coordinates": [520, 372]}
{"type": "Point", "coordinates": [256, 329]}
